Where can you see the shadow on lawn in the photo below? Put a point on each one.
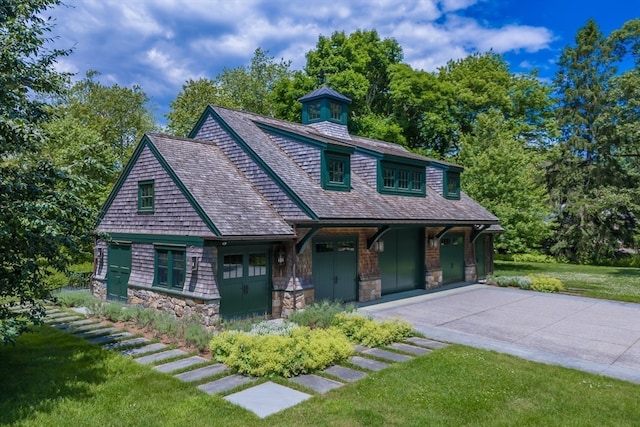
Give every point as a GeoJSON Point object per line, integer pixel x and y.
{"type": "Point", "coordinates": [44, 367]}
{"type": "Point", "coordinates": [511, 265]}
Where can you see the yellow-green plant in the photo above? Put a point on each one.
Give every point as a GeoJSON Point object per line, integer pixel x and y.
{"type": "Point", "coordinates": [371, 333]}
{"type": "Point", "coordinates": [304, 350]}
{"type": "Point", "coordinates": [542, 283]}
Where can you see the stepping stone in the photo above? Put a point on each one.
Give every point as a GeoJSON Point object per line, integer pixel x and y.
{"type": "Point", "coordinates": [316, 383]}
{"type": "Point", "coordinates": [142, 350]}
{"type": "Point", "coordinates": [388, 355]}
{"type": "Point", "coordinates": [198, 374]}
{"type": "Point", "coordinates": [361, 348]}
{"type": "Point", "coordinates": [48, 311]}
{"type": "Point", "coordinates": [69, 325]}
{"type": "Point", "coordinates": [55, 315]}
{"type": "Point", "coordinates": [109, 338]}
{"type": "Point", "coordinates": [345, 374]}
{"type": "Point", "coordinates": [180, 364]}
{"type": "Point", "coordinates": [67, 318]}
{"type": "Point", "coordinates": [126, 343]}
{"type": "Point", "coordinates": [95, 332]}
{"type": "Point", "coordinates": [224, 384]}
{"type": "Point", "coordinates": [267, 398]}
{"type": "Point", "coordinates": [81, 310]}
{"type": "Point", "coordinates": [156, 357]}
{"type": "Point", "coordinates": [372, 365]}
{"type": "Point", "coordinates": [407, 348]}
{"type": "Point", "coordinates": [87, 327]}
{"type": "Point", "coordinates": [423, 342]}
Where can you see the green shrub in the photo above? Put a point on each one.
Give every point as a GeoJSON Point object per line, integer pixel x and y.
{"type": "Point", "coordinates": [365, 331]}
{"type": "Point", "coordinates": [77, 298]}
{"type": "Point", "coordinates": [113, 311]}
{"type": "Point", "coordinates": [304, 350]}
{"type": "Point", "coordinates": [542, 258]}
{"type": "Point", "coordinates": [521, 282]}
{"type": "Point", "coordinates": [543, 283]}
{"type": "Point", "coordinates": [166, 324]}
{"type": "Point", "coordinates": [319, 314]}
{"type": "Point", "coordinates": [197, 335]}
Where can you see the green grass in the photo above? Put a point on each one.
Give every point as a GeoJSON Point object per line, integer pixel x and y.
{"type": "Point", "coordinates": [53, 379]}
{"type": "Point", "coordinates": [614, 283]}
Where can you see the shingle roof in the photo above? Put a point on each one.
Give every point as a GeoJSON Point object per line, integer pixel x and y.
{"type": "Point", "coordinates": [224, 194]}
{"type": "Point", "coordinates": [363, 203]}
{"type": "Point", "coordinates": [322, 92]}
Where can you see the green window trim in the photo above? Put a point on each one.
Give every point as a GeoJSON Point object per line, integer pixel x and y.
{"type": "Point", "coordinates": [146, 196]}
{"type": "Point", "coordinates": [399, 179]}
{"type": "Point", "coordinates": [170, 267]}
{"type": "Point", "coordinates": [336, 172]}
{"type": "Point", "coordinates": [451, 185]}
{"type": "Point", "coordinates": [324, 110]}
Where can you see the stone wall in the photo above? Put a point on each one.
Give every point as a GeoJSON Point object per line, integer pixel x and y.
{"type": "Point", "coordinates": [99, 288]}
{"type": "Point", "coordinates": [207, 310]}
{"type": "Point", "coordinates": [369, 289]}
{"type": "Point", "coordinates": [433, 279]}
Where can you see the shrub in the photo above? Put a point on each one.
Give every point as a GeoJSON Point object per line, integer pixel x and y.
{"type": "Point", "coordinates": [534, 258]}
{"type": "Point", "coordinates": [319, 314]}
{"type": "Point", "coordinates": [543, 283]}
{"type": "Point", "coordinates": [366, 331]}
{"type": "Point", "coordinates": [514, 281]}
{"type": "Point", "coordinates": [195, 334]}
{"type": "Point", "coordinates": [77, 298]}
{"type": "Point", "coordinates": [303, 351]}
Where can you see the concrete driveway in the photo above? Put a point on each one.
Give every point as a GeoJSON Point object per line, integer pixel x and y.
{"type": "Point", "coordinates": [592, 335]}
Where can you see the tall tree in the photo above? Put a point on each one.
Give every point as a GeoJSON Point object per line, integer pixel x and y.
{"type": "Point", "coordinates": [119, 114]}
{"type": "Point", "coordinates": [593, 189]}
{"type": "Point", "coordinates": [356, 65]}
{"type": "Point", "coordinates": [42, 220]}
{"type": "Point", "coordinates": [251, 88]}
{"type": "Point", "coordinates": [504, 175]}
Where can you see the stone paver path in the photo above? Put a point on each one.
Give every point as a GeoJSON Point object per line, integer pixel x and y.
{"type": "Point", "coordinates": [263, 399]}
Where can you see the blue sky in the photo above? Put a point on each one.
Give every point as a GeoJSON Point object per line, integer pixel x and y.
{"type": "Point", "coordinates": [159, 44]}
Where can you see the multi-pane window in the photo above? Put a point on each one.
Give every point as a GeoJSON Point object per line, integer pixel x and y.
{"type": "Point", "coordinates": [314, 110]}
{"type": "Point", "coordinates": [145, 196]}
{"type": "Point", "coordinates": [453, 185]}
{"type": "Point", "coordinates": [336, 171]}
{"type": "Point", "coordinates": [257, 264]}
{"type": "Point", "coordinates": [389, 177]}
{"type": "Point", "coordinates": [336, 111]}
{"type": "Point", "coordinates": [170, 268]}
{"type": "Point", "coordinates": [232, 266]}
{"type": "Point", "coordinates": [336, 174]}
{"type": "Point", "coordinates": [402, 179]}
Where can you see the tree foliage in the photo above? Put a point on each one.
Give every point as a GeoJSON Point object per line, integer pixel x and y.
{"type": "Point", "coordinates": [251, 88]}
{"type": "Point", "coordinates": [92, 131]}
{"type": "Point", "coordinates": [42, 220]}
{"type": "Point", "coordinates": [592, 180]}
{"type": "Point", "coordinates": [504, 176]}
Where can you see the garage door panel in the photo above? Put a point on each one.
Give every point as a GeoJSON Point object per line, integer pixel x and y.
{"type": "Point", "coordinates": [401, 262]}
{"type": "Point", "coordinates": [452, 258]}
{"type": "Point", "coordinates": [335, 269]}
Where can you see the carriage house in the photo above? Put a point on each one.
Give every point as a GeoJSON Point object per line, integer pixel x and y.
{"type": "Point", "coordinates": [254, 215]}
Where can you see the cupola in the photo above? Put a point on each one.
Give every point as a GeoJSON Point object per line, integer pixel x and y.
{"type": "Point", "coordinates": [326, 111]}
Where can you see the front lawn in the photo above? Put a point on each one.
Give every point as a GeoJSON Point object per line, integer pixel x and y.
{"type": "Point", "coordinates": [54, 379]}
{"type": "Point", "coordinates": [614, 283]}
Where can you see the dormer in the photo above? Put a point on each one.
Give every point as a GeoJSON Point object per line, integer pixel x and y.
{"type": "Point", "coordinates": [326, 110]}
{"type": "Point", "coordinates": [445, 178]}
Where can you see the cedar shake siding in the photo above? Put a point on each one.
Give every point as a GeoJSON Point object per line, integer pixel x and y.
{"type": "Point", "coordinates": [173, 214]}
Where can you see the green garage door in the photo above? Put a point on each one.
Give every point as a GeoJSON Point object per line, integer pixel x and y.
{"type": "Point", "coordinates": [402, 260]}
{"type": "Point", "coordinates": [335, 267]}
{"type": "Point", "coordinates": [452, 258]}
{"type": "Point", "coordinates": [481, 263]}
{"type": "Point", "coordinates": [244, 282]}
{"type": "Point", "coordinates": [119, 270]}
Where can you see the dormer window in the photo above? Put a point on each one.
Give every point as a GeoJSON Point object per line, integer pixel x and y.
{"type": "Point", "coordinates": [336, 172]}
{"type": "Point", "coordinates": [452, 185]}
{"type": "Point", "coordinates": [401, 179]}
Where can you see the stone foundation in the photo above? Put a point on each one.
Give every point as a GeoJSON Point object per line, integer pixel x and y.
{"type": "Point", "coordinates": [433, 279]}
{"type": "Point", "coordinates": [99, 289]}
{"type": "Point", "coordinates": [470, 273]}
{"type": "Point", "coordinates": [293, 298]}
{"type": "Point", "coordinates": [369, 289]}
{"type": "Point", "coordinates": [208, 311]}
